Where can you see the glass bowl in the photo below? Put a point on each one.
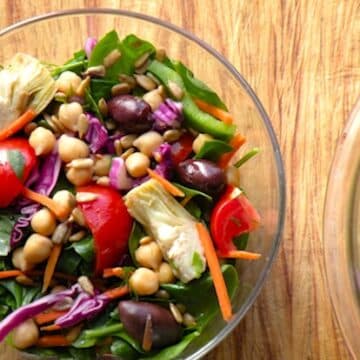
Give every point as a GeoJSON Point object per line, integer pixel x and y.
{"type": "Point", "coordinates": [342, 232]}
{"type": "Point", "coordinates": [54, 37]}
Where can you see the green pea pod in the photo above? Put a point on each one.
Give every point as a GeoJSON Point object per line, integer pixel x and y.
{"type": "Point", "coordinates": [197, 88]}
{"type": "Point", "coordinates": [194, 117]}
{"type": "Point", "coordinates": [213, 149]}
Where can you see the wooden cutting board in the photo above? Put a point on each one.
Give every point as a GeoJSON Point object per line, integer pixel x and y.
{"type": "Point", "coordinates": [302, 58]}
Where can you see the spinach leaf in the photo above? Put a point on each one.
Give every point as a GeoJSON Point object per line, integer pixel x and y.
{"type": "Point", "coordinates": [189, 192]}
{"type": "Point", "coordinates": [136, 234]}
{"type": "Point", "coordinates": [173, 351]}
{"type": "Point", "coordinates": [192, 294]}
{"type": "Point", "coordinates": [68, 262]}
{"type": "Point", "coordinates": [76, 64]}
{"type": "Point", "coordinates": [17, 162]}
{"type": "Point", "coordinates": [7, 221]}
{"type": "Point", "coordinates": [84, 248]}
{"type": "Point", "coordinates": [193, 208]}
{"type": "Point", "coordinates": [101, 88]}
{"type": "Point", "coordinates": [15, 289]}
{"type": "Point", "coordinates": [91, 104]}
{"type": "Point", "coordinates": [57, 353]}
{"type": "Point", "coordinates": [82, 354]}
{"type": "Point", "coordinates": [247, 157]}
{"type": "Point", "coordinates": [121, 348]}
{"type": "Point", "coordinates": [197, 88]}
{"type": "Point", "coordinates": [241, 241]}
{"type": "Point", "coordinates": [213, 149]}
{"type": "Point", "coordinates": [63, 184]}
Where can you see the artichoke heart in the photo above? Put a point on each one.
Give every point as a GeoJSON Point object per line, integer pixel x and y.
{"type": "Point", "coordinates": [172, 227]}
{"type": "Point", "coordinates": [24, 83]}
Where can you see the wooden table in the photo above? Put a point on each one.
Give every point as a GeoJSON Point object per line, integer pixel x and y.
{"type": "Point", "coordinates": [302, 58]}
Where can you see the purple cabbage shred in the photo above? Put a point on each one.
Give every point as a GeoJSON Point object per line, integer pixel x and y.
{"type": "Point", "coordinates": [89, 46]}
{"type": "Point", "coordinates": [165, 166]}
{"type": "Point", "coordinates": [97, 135]}
{"type": "Point", "coordinates": [169, 115]}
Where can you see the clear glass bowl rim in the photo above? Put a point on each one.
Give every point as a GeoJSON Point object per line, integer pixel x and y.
{"type": "Point", "coordinates": [275, 146]}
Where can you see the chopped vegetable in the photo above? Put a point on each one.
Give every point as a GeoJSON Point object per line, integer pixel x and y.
{"type": "Point", "coordinates": [97, 135]}
{"type": "Point", "coordinates": [168, 116]}
{"type": "Point", "coordinates": [49, 316]}
{"type": "Point", "coordinates": [9, 274]}
{"type": "Point", "coordinates": [90, 43]}
{"type": "Point", "coordinates": [240, 254]}
{"type": "Point", "coordinates": [168, 186]}
{"type": "Point", "coordinates": [119, 178]}
{"type": "Point", "coordinates": [165, 166]}
{"type": "Point", "coordinates": [236, 142]}
{"type": "Point", "coordinates": [220, 114]}
{"type": "Point", "coordinates": [117, 271]}
{"type": "Point", "coordinates": [50, 266]}
{"type": "Point", "coordinates": [170, 225]}
{"type": "Point", "coordinates": [117, 292]}
{"type": "Point", "coordinates": [247, 157]}
{"type": "Point", "coordinates": [215, 270]}
{"type": "Point", "coordinates": [49, 341]}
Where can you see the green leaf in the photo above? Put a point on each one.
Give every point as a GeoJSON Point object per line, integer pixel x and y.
{"type": "Point", "coordinates": [68, 262]}
{"type": "Point", "coordinates": [197, 88]}
{"type": "Point", "coordinates": [247, 157]}
{"type": "Point", "coordinates": [54, 353]}
{"type": "Point", "coordinates": [82, 354]}
{"type": "Point", "coordinates": [76, 64]}
{"type": "Point", "coordinates": [17, 162]}
{"type": "Point", "coordinates": [7, 221]}
{"type": "Point", "coordinates": [15, 289]}
{"type": "Point", "coordinates": [213, 149]}
{"type": "Point", "coordinates": [241, 241]}
{"type": "Point", "coordinates": [173, 351]}
{"type": "Point", "coordinates": [197, 263]}
{"type": "Point", "coordinates": [92, 105]}
{"type": "Point", "coordinates": [192, 294]}
{"type": "Point", "coordinates": [190, 192]}
{"type": "Point", "coordinates": [121, 348]}
{"type": "Point", "coordinates": [136, 234]}
{"type": "Point", "coordinates": [101, 88]}
{"type": "Point", "coordinates": [63, 184]}
{"type": "Point", "coordinates": [85, 248]}
{"type": "Point", "coordinates": [193, 209]}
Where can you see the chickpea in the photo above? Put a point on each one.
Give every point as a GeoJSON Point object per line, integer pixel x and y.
{"type": "Point", "coordinates": [37, 248]}
{"type": "Point", "coordinates": [25, 335]}
{"type": "Point", "coordinates": [144, 281]}
{"type": "Point", "coordinates": [148, 142]}
{"type": "Point", "coordinates": [69, 115]}
{"type": "Point", "coordinates": [42, 141]}
{"type": "Point", "coordinates": [149, 255]}
{"type": "Point", "coordinates": [153, 98]}
{"type": "Point", "coordinates": [102, 166]}
{"type": "Point", "coordinates": [199, 141]}
{"type": "Point", "coordinates": [71, 148]}
{"type": "Point", "coordinates": [68, 82]}
{"type": "Point", "coordinates": [137, 164]}
{"type": "Point", "coordinates": [43, 222]}
{"type": "Point", "coordinates": [19, 261]}
{"type": "Point", "coordinates": [166, 274]}
{"type": "Point", "coordinates": [79, 177]}
{"type": "Point", "coordinates": [66, 200]}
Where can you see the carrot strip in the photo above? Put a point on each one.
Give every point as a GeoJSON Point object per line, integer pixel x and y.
{"type": "Point", "coordinates": [50, 266]}
{"type": "Point", "coordinates": [240, 254]}
{"type": "Point", "coordinates": [185, 200]}
{"type": "Point", "coordinates": [10, 273]}
{"type": "Point", "coordinates": [215, 271]}
{"type": "Point", "coordinates": [52, 327]}
{"type": "Point", "coordinates": [220, 114]}
{"type": "Point", "coordinates": [117, 292]}
{"type": "Point", "coordinates": [236, 143]}
{"type": "Point", "coordinates": [44, 318]}
{"type": "Point", "coordinates": [173, 190]}
{"type": "Point", "coordinates": [58, 210]}
{"type": "Point", "coordinates": [53, 341]}
{"type": "Point", "coordinates": [117, 271]}
{"type": "Point", "coordinates": [17, 124]}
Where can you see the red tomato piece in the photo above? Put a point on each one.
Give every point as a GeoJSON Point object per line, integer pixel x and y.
{"type": "Point", "coordinates": [110, 224]}
{"type": "Point", "coordinates": [10, 185]}
{"type": "Point", "coordinates": [181, 149]}
{"type": "Point", "coordinates": [26, 150]}
{"type": "Point", "coordinates": [232, 216]}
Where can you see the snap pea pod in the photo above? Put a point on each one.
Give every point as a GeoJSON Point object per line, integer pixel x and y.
{"type": "Point", "coordinates": [194, 117]}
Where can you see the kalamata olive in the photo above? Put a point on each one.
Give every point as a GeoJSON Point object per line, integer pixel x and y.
{"type": "Point", "coordinates": [165, 330]}
{"type": "Point", "coordinates": [131, 113]}
{"type": "Point", "coordinates": [203, 175]}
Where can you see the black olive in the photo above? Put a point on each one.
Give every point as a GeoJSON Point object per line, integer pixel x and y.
{"type": "Point", "coordinates": [165, 330]}
{"type": "Point", "coordinates": [203, 175]}
{"type": "Point", "coordinates": [132, 114]}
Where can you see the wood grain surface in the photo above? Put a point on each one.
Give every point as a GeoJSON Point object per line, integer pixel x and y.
{"type": "Point", "coordinates": [302, 58]}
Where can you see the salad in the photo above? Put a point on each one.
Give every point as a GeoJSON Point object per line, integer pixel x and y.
{"type": "Point", "coordinates": [120, 214]}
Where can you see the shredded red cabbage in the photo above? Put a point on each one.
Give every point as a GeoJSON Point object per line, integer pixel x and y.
{"type": "Point", "coordinates": [165, 166]}
{"type": "Point", "coordinates": [169, 115]}
{"type": "Point", "coordinates": [29, 311]}
{"type": "Point", "coordinates": [97, 135]}
{"type": "Point", "coordinates": [119, 178]}
{"type": "Point", "coordinates": [43, 181]}
{"type": "Point", "coordinates": [89, 46]}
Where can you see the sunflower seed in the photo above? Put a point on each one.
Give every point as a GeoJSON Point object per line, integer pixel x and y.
{"type": "Point", "coordinates": [146, 240]}
{"type": "Point", "coordinates": [189, 320]}
{"type": "Point", "coordinates": [103, 180]}
{"type": "Point", "coordinates": [181, 307]}
{"type": "Point", "coordinates": [98, 71]}
{"type": "Point", "coordinates": [176, 313]}
{"type": "Point", "coordinates": [81, 163]}
{"type": "Point", "coordinates": [82, 197]}
{"type": "Point", "coordinates": [127, 141]}
{"type": "Point", "coordinates": [103, 107]}
{"type": "Point", "coordinates": [162, 294]}
{"type": "Point", "coordinates": [82, 125]}
{"type": "Point", "coordinates": [112, 58]}
{"type": "Point", "coordinates": [127, 79]}
{"type": "Point", "coordinates": [120, 89]}
{"type": "Point", "coordinates": [81, 89]}
{"type": "Point", "coordinates": [78, 216]}
{"type": "Point", "coordinates": [77, 236]}
{"type": "Point", "coordinates": [118, 147]}
{"type": "Point", "coordinates": [86, 284]}
{"type": "Point", "coordinates": [145, 82]}
{"type": "Point", "coordinates": [141, 60]}
{"type": "Point", "coordinates": [62, 233]}
{"type": "Point", "coordinates": [127, 153]}
{"type": "Point", "coordinates": [175, 90]}
{"type": "Point", "coordinates": [172, 135]}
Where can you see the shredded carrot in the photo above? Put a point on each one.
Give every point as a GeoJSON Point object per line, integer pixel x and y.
{"type": "Point", "coordinates": [50, 266]}
{"type": "Point", "coordinates": [10, 273]}
{"type": "Point", "coordinates": [59, 211]}
{"type": "Point", "coordinates": [53, 341]}
{"type": "Point", "coordinates": [117, 271]}
{"type": "Point", "coordinates": [239, 254]}
{"type": "Point", "coordinates": [215, 271]}
{"type": "Point", "coordinates": [117, 292]}
{"type": "Point", "coordinates": [52, 327]}
{"type": "Point", "coordinates": [173, 190]}
{"type": "Point", "coordinates": [185, 200]}
{"type": "Point", "coordinates": [17, 124]}
{"type": "Point", "coordinates": [220, 114]}
{"type": "Point", "coordinates": [235, 143]}
{"type": "Point", "coordinates": [46, 317]}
